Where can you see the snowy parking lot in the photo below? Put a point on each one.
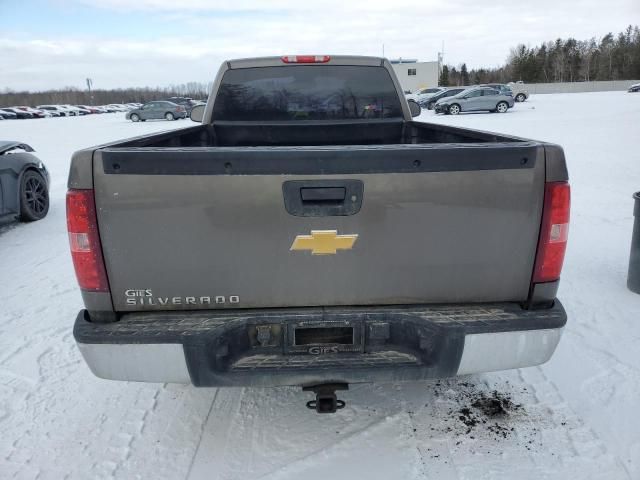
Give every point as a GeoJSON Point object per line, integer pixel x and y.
{"type": "Point", "coordinates": [575, 417]}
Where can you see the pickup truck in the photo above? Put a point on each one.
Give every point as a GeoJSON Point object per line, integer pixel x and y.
{"type": "Point", "coordinates": [309, 232]}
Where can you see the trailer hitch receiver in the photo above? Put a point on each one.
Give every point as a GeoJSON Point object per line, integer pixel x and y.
{"type": "Point", "coordinates": [326, 399]}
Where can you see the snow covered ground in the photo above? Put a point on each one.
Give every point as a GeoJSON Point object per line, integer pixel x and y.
{"type": "Point", "coordinates": [575, 417]}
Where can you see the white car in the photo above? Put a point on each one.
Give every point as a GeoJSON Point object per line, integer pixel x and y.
{"type": "Point", "coordinates": [520, 93]}
{"type": "Point", "coordinates": [55, 110]}
{"type": "Point", "coordinates": [73, 108]}
{"type": "Point", "coordinates": [119, 107]}
{"type": "Point", "coordinates": [67, 111]}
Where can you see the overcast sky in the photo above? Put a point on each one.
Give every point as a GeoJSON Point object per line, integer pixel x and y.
{"type": "Point", "coordinates": [120, 43]}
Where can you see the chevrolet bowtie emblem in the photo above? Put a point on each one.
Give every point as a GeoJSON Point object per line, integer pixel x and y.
{"type": "Point", "coordinates": [324, 242]}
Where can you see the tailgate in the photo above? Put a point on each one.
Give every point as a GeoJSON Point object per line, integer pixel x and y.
{"type": "Point", "coordinates": [308, 226]}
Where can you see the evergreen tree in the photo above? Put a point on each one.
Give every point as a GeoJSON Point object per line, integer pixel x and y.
{"type": "Point", "coordinates": [444, 77]}
{"type": "Point", "coordinates": [464, 74]}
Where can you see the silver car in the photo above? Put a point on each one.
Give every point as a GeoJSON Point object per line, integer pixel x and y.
{"type": "Point", "coordinates": [520, 93]}
{"type": "Point", "coordinates": [157, 110]}
{"type": "Point", "coordinates": [424, 93]}
{"type": "Point", "coordinates": [475, 99]}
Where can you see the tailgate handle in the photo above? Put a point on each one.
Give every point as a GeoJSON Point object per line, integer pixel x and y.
{"type": "Point", "coordinates": [322, 198]}
{"type": "Point", "coordinates": [323, 194]}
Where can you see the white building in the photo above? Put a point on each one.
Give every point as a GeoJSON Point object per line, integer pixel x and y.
{"type": "Point", "coordinates": [414, 75]}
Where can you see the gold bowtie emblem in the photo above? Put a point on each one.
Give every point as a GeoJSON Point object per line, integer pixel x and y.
{"type": "Point", "coordinates": [324, 242]}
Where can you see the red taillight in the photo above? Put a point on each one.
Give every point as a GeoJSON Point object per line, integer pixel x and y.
{"type": "Point", "coordinates": [86, 252]}
{"type": "Point", "coordinates": [553, 232]}
{"type": "Point", "coordinates": [306, 58]}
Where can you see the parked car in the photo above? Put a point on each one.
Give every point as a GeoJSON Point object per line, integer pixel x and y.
{"type": "Point", "coordinates": [36, 112]}
{"type": "Point", "coordinates": [519, 92]}
{"type": "Point", "coordinates": [70, 112]}
{"type": "Point", "coordinates": [78, 111]}
{"type": "Point", "coordinates": [634, 88]}
{"type": "Point", "coordinates": [83, 110]}
{"type": "Point", "coordinates": [20, 114]}
{"type": "Point", "coordinates": [186, 102]}
{"type": "Point", "coordinates": [8, 115]}
{"type": "Point", "coordinates": [24, 183]}
{"type": "Point", "coordinates": [54, 109]}
{"type": "Point", "coordinates": [424, 93]}
{"type": "Point", "coordinates": [157, 110]}
{"type": "Point", "coordinates": [90, 109]}
{"type": "Point", "coordinates": [430, 102]}
{"type": "Point", "coordinates": [501, 87]}
{"type": "Point", "coordinates": [475, 99]}
{"type": "Point", "coordinates": [49, 113]}
{"type": "Point", "coordinates": [118, 107]}
{"type": "Point", "coordinates": [263, 248]}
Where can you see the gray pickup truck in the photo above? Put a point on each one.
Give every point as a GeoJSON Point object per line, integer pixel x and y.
{"type": "Point", "coordinates": [308, 232]}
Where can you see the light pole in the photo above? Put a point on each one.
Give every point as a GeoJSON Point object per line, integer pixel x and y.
{"type": "Point", "coordinates": [89, 85]}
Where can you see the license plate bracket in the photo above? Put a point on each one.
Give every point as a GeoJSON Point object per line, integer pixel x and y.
{"type": "Point", "coordinates": [325, 337]}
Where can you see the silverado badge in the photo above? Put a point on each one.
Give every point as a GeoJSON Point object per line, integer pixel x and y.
{"type": "Point", "coordinates": [324, 242]}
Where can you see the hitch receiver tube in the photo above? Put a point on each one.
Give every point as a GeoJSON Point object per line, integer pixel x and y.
{"type": "Point", "coordinates": [326, 399]}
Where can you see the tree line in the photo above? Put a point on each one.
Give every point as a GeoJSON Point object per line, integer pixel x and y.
{"type": "Point", "coordinates": [76, 96]}
{"type": "Point", "coordinates": [613, 57]}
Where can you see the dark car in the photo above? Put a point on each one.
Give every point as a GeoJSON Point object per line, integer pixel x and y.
{"type": "Point", "coordinates": [7, 115]}
{"type": "Point", "coordinates": [24, 183]}
{"type": "Point", "coordinates": [20, 114]}
{"type": "Point", "coordinates": [634, 88]}
{"type": "Point", "coordinates": [34, 111]}
{"type": "Point", "coordinates": [157, 110]}
{"type": "Point", "coordinates": [430, 102]}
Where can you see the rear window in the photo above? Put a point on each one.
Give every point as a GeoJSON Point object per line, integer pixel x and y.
{"type": "Point", "coordinates": [306, 92]}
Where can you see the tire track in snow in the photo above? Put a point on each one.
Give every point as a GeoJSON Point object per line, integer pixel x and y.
{"type": "Point", "coordinates": [212, 454]}
{"type": "Point", "coordinates": [202, 428]}
{"type": "Point", "coordinates": [584, 454]}
{"type": "Point", "coordinates": [271, 434]}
